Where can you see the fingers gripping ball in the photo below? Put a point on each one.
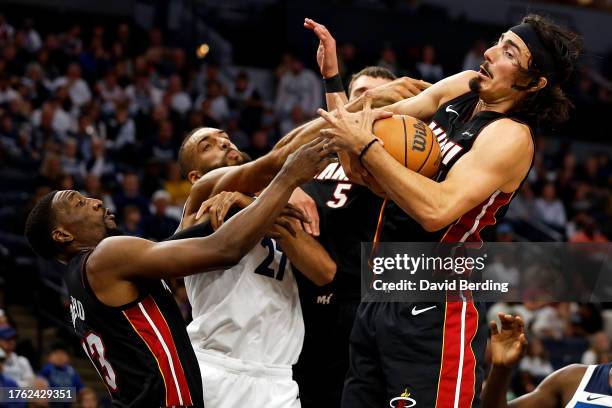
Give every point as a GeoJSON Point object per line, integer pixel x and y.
{"type": "Point", "coordinates": [411, 142]}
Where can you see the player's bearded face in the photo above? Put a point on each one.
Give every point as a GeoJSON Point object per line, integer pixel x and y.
{"type": "Point", "coordinates": [502, 69]}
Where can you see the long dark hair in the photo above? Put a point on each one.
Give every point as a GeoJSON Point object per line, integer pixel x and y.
{"type": "Point", "coordinates": [549, 106]}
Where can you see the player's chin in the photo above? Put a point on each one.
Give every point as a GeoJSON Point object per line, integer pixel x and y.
{"type": "Point", "coordinates": [476, 84]}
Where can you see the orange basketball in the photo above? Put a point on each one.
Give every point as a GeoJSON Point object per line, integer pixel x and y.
{"type": "Point", "coordinates": [411, 142]}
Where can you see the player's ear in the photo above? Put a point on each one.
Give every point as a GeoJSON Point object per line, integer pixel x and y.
{"type": "Point", "coordinates": [193, 176]}
{"type": "Point", "coordinates": [61, 236]}
{"type": "Point", "coordinates": [541, 83]}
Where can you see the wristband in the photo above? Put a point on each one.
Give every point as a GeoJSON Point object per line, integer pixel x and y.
{"type": "Point", "coordinates": [365, 149]}
{"type": "Point", "coordinates": [333, 84]}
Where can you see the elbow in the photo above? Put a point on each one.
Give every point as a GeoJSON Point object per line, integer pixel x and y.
{"type": "Point", "coordinates": [327, 275]}
{"type": "Point", "coordinates": [434, 221]}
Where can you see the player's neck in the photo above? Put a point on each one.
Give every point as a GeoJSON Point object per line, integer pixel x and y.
{"type": "Point", "coordinates": [501, 106]}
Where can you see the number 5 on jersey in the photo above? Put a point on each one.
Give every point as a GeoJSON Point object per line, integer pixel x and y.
{"type": "Point", "coordinates": [340, 197]}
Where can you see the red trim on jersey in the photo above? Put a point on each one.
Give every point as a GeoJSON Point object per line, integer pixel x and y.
{"type": "Point", "coordinates": [468, 227]}
{"type": "Point", "coordinates": [449, 379]}
{"type": "Point", "coordinates": [155, 332]}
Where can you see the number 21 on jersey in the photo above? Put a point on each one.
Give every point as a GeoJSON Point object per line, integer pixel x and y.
{"type": "Point", "coordinates": [278, 269]}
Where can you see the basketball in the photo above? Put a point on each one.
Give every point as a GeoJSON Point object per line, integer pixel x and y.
{"type": "Point", "coordinates": [411, 142]}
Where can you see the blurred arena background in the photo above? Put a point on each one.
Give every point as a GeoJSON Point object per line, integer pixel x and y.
{"type": "Point", "coordinates": [96, 96]}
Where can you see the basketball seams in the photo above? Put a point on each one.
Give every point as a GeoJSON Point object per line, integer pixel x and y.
{"type": "Point", "coordinates": [433, 140]}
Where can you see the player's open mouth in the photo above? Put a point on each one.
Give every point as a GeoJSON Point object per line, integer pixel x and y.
{"type": "Point", "coordinates": [108, 214]}
{"type": "Point", "coordinates": [484, 72]}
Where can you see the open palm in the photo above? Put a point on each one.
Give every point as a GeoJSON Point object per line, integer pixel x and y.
{"type": "Point", "coordinates": [507, 344]}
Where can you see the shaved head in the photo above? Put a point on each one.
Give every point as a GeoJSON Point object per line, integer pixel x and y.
{"type": "Point", "coordinates": [205, 149]}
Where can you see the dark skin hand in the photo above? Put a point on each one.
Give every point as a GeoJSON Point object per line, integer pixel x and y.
{"type": "Point", "coordinates": [118, 264]}
{"type": "Point", "coordinates": [301, 248]}
{"type": "Point", "coordinates": [507, 348]}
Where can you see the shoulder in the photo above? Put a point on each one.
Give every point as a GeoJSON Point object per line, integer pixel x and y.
{"type": "Point", "coordinates": [452, 86]}
{"type": "Point", "coordinates": [567, 377]}
{"type": "Point", "coordinates": [113, 251]}
{"type": "Point", "coordinates": [507, 134]}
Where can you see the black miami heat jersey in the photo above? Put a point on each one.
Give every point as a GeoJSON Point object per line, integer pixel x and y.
{"type": "Point", "coordinates": [141, 350]}
{"type": "Point", "coordinates": [456, 131]}
{"type": "Point", "coordinates": [345, 212]}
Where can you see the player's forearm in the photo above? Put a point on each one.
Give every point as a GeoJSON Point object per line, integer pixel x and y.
{"type": "Point", "coordinates": [330, 99]}
{"type": "Point", "coordinates": [241, 232]}
{"type": "Point", "coordinates": [309, 257]}
{"type": "Point", "coordinates": [496, 387]}
{"type": "Point", "coordinates": [421, 198]}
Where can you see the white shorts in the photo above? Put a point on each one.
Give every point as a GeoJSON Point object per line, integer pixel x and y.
{"type": "Point", "coordinates": [230, 382]}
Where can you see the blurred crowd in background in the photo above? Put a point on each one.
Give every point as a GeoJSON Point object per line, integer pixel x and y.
{"type": "Point", "coordinates": [103, 109]}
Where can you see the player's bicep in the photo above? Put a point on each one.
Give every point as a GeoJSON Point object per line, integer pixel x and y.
{"type": "Point", "coordinates": [424, 105]}
{"type": "Point", "coordinates": [494, 162]}
{"type": "Point", "coordinates": [549, 392]}
{"type": "Point", "coordinates": [131, 258]}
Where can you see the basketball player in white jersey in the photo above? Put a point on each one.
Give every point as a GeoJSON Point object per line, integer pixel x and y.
{"type": "Point", "coordinates": [247, 329]}
{"type": "Point", "coordinates": [575, 386]}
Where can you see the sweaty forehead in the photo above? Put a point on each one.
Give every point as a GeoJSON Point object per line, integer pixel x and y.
{"type": "Point", "coordinates": [203, 133]}
{"type": "Point", "coordinates": [365, 82]}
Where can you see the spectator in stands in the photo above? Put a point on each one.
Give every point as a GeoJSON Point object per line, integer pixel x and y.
{"type": "Point", "coordinates": [599, 351]}
{"type": "Point", "coordinates": [130, 195]}
{"type": "Point", "coordinates": [473, 59]}
{"type": "Point", "coordinates": [260, 144]}
{"type": "Point", "coordinates": [218, 107]}
{"type": "Point", "coordinates": [15, 366]}
{"type": "Point", "coordinates": [87, 398]}
{"type": "Point", "coordinates": [33, 40]}
{"type": "Point", "coordinates": [298, 87]}
{"type": "Point", "coordinates": [110, 91]}
{"type": "Point", "coordinates": [51, 120]}
{"type": "Point", "coordinates": [163, 146]}
{"type": "Point", "coordinates": [7, 31]}
{"type": "Point", "coordinates": [238, 136]}
{"type": "Point", "coordinates": [121, 131]}
{"type": "Point", "coordinates": [71, 164]}
{"type": "Point", "coordinates": [535, 366]}
{"type": "Point", "coordinates": [58, 371]}
{"type": "Point", "coordinates": [549, 209]}
{"type": "Point", "coordinates": [587, 231]}
{"type": "Point", "coordinates": [427, 68]}
{"type": "Point", "coordinates": [8, 382]}
{"type": "Point", "coordinates": [99, 163]}
{"type": "Point", "coordinates": [132, 221]}
{"type": "Point", "coordinates": [3, 319]}
{"type": "Point", "coordinates": [176, 186]}
{"type": "Point", "coordinates": [178, 100]}
{"type": "Point", "coordinates": [142, 96]}
{"type": "Point", "coordinates": [296, 118]}
{"type": "Point", "coordinates": [7, 93]}
{"type": "Point", "coordinates": [93, 189]}
{"type": "Point", "coordinates": [39, 383]}
{"type": "Point", "coordinates": [36, 84]}
{"type": "Point", "coordinates": [51, 170]}
{"type": "Point", "coordinates": [549, 321]}
{"type": "Point", "coordinates": [523, 206]}
{"type": "Point", "coordinates": [159, 225]}
{"type": "Point", "coordinates": [245, 101]}
{"type": "Point", "coordinates": [388, 59]}
{"type": "Point", "coordinates": [78, 89]}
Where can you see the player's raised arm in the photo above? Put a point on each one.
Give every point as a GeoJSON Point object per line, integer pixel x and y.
{"type": "Point", "coordinates": [133, 258]}
{"type": "Point", "coordinates": [434, 204]}
{"type": "Point", "coordinates": [507, 347]}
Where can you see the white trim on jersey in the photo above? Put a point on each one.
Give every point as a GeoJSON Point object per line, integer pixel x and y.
{"type": "Point", "coordinates": [482, 213]}
{"type": "Point", "coordinates": [589, 398]}
{"type": "Point", "coordinates": [165, 347]}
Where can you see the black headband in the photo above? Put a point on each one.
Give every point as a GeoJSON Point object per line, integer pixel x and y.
{"type": "Point", "coordinates": [541, 59]}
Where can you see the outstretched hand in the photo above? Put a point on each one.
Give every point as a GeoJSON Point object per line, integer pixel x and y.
{"type": "Point", "coordinates": [326, 53]}
{"type": "Point", "coordinates": [507, 345]}
{"type": "Point", "coordinates": [350, 131]}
